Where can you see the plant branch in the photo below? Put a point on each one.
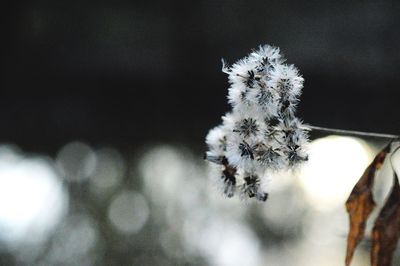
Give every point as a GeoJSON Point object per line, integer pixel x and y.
{"type": "Point", "coordinates": [353, 133]}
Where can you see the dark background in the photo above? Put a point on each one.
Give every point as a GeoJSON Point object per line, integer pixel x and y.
{"type": "Point", "coordinates": [126, 72]}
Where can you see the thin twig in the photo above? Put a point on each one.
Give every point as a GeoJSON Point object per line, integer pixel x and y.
{"type": "Point", "coordinates": [354, 133]}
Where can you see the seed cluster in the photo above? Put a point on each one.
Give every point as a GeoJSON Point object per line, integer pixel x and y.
{"type": "Point", "coordinates": [261, 134]}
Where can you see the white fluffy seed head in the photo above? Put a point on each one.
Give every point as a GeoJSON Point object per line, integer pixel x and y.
{"type": "Point", "coordinates": [261, 134]}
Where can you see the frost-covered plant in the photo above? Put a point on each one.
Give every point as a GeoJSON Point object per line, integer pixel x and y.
{"type": "Point", "coordinates": [261, 134]}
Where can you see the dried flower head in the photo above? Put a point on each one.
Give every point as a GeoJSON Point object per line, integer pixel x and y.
{"type": "Point", "coordinates": [261, 134]}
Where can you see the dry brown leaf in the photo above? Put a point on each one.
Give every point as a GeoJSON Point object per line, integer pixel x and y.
{"type": "Point", "coordinates": [386, 230]}
{"type": "Point", "coordinates": [360, 204]}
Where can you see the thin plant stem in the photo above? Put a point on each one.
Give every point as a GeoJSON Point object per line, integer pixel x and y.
{"type": "Point", "coordinates": [353, 133]}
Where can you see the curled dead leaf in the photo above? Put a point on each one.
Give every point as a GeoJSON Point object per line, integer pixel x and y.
{"type": "Point", "coordinates": [360, 204]}
{"type": "Point", "coordinates": [386, 230]}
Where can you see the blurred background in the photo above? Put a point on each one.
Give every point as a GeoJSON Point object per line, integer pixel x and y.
{"type": "Point", "coordinates": [103, 112]}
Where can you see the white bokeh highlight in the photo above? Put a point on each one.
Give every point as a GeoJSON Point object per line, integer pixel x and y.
{"type": "Point", "coordinates": [128, 212]}
{"type": "Point", "coordinates": [334, 167]}
{"type": "Point", "coordinates": [32, 198]}
{"type": "Point", "coordinates": [110, 169]}
{"type": "Point", "coordinates": [76, 161]}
